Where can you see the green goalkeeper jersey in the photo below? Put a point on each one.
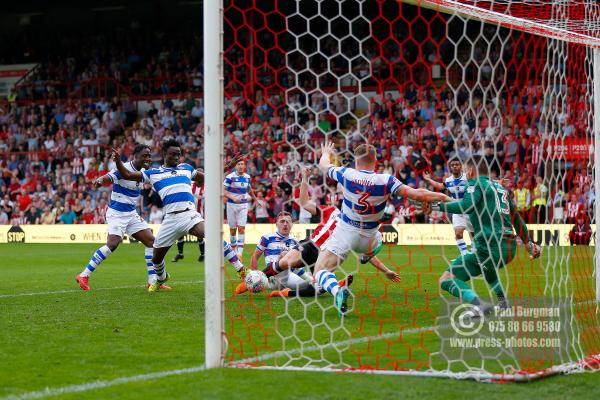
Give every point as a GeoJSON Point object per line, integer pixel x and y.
{"type": "Point", "coordinates": [491, 212]}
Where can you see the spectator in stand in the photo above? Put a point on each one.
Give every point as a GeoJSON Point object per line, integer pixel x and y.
{"type": "Point", "coordinates": [32, 215]}
{"type": "Point", "coordinates": [47, 218]}
{"type": "Point", "coordinates": [18, 217]}
{"type": "Point", "coordinates": [581, 233]}
{"type": "Point", "coordinates": [574, 209]}
{"type": "Point", "coordinates": [558, 205]}
{"type": "Point", "coordinates": [540, 201]}
{"type": "Point", "coordinates": [261, 209]}
{"type": "Point", "coordinates": [67, 216]}
{"type": "Point", "coordinates": [523, 201]}
{"type": "Point", "coordinates": [3, 217]}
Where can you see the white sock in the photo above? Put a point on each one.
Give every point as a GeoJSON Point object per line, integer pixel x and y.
{"type": "Point", "coordinates": [240, 245]}
{"type": "Point", "coordinates": [233, 242]}
{"type": "Point", "coordinates": [327, 281]}
{"type": "Point", "coordinates": [97, 258]}
{"type": "Point", "coordinates": [462, 246]}
{"type": "Point", "coordinates": [148, 251]}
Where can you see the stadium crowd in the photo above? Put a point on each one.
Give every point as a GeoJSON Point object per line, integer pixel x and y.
{"type": "Point", "coordinates": [52, 151]}
{"type": "Point", "coordinates": [53, 142]}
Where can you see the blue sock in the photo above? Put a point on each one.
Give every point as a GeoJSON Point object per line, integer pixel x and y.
{"type": "Point", "coordinates": [149, 266]}
{"type": "Point", "coordinates": [99, 256]}
{"type": "Point", "coordinates": [327, 281]}
{"type": "Point", "coordinates": [230, 255]}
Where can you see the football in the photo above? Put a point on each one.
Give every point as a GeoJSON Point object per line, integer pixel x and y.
{"type": "Point", "coordinates": [256, 281]}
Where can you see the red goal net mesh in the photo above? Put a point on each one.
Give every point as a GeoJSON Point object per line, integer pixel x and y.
{"type": "Point", "coordinates": [422, 86]}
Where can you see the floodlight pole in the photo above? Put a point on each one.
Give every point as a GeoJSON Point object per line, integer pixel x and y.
{"type": "Point", "coordinates": [213, 165]}
{"type": "Point", "coordinates": [596, 96]}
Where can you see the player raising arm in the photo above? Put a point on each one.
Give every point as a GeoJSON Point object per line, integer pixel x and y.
{"type": "Point", "coordinates": [122, 217]}
{"type": "Point", "coordinates": [307, 251]}
{"type": "Point", "coordinates": [365, 197]}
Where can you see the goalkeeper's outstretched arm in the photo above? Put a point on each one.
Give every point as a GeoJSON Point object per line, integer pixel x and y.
{"type": "Point", "coordinates": [518, 224]}
{"type": "Point", "coordinates": [472, 197]}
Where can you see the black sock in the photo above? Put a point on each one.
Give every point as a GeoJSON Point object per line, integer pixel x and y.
{"type": "Point", "coordinates": [308, 291]}
{"type": "Point", "coordinates": [180, 246]}
{"type": "Point", "coordinates": [201, 246]}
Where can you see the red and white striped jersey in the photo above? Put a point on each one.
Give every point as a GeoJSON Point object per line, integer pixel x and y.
{"type": "Point", "coordinates": [329, 219]}
{"type": "Point", "coordinates": [198, 192]}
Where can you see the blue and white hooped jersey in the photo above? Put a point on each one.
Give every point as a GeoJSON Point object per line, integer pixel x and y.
{"type": "Point", "coordinates": [273, 244]}
{"type": "Point", "coordinates": [125, 194]}
{"type": "Point", "coordinates": [456, 186]}
{"type": "Point", "coordinates": [238, 185]}
{"type": "Point", "coordinates": [173, 185]}
{"type": "Point", "coordinates": [365, 195]}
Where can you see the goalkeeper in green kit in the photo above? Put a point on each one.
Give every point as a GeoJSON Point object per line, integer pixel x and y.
{"type": "Point", "coordinates": [493, 216]}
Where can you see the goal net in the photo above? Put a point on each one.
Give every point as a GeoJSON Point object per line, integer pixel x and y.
{"type": "Point", "coordinates": [424, 82]}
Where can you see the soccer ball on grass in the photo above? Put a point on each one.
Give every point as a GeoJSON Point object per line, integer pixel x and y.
{"type": "Point", "coordinates": [256, 281]}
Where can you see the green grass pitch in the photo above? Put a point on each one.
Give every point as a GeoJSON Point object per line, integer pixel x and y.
{"type": "Point", "coordinates": [88, 345]}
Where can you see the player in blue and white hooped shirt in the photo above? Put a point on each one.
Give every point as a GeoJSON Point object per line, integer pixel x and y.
{"type": "Point", "coordinates": [274, 246]}
{"type": "Point", "coordinates": [365, 196]}
{"type": "Point", "coordinates": [122, 217]}
{"type": "Point", "coordinates": [455, 185]}
{"type": "Point", "coordinates": [238, 192]}
{"type": "Point", "coordinates": [173, 183]}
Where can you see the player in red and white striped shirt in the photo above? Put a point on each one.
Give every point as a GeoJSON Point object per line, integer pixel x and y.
{"type": "Point", "coordinates": [307, 252]}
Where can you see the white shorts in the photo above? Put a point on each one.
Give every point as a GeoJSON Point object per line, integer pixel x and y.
{"type": "Point", "coordinates": [287, 279]}
{"type": "Point", "coordinates": [237, 214]}
{"type": "Point", "coordinates": [175, 226]}
{"type": "Point", "coordinates": [461, 221]}
{"type": "Point", "coordinates": [345, 239]}
{"type": "Point", "coordinates": [120, 223]}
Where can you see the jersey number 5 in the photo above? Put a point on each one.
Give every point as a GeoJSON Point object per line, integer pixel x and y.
{"type": "Point", "coordinates": [362, 201]}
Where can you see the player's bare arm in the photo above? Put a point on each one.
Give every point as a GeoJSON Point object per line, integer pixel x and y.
{"type": "Point", "coordinates": [304, 199]}
{"type": "Point", "coordinates": [126, 174]}
{"type": "Point", "coordinates": [422, 194]}
{"type": "Point", "coordinates": [391, 275]}
{"type": "Point", "coordinates": [254, 260]}
{"type": "Point", "coordinates": [327, 150]}
{"type": "Point", "coordinates": [436, 185]}
{"type": "Point", "coordinates": [100, 181]}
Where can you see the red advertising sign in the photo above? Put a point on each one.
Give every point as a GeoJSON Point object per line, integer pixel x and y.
{"type": "Point", "coordinates": [569, 148]}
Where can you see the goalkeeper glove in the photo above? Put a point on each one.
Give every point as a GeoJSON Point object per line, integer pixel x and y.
{"type": "Point", "coordinates": [534, 250]}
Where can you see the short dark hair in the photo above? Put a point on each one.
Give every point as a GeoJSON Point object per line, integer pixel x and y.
{"type": "Point", "coordinates": [283, 214]}
{"type": "Point", "coordinates": [480, 164]}
{"type": "Point", "coordinates": [454, 159]}
{"type": "Point", "coordinates": [170, 143]}
{"type": "Point", "coordinates": [140, 147]}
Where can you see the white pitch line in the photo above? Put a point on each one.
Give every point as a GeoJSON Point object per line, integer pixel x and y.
{"type": "Point", "coordinates": [3, 296]}
{"type": "Point", "coordinates": [347, 342]}
{"type": "Point", "coordinates": [84, 387]}
{"type": "Point", "coordinates": [236, 363]}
